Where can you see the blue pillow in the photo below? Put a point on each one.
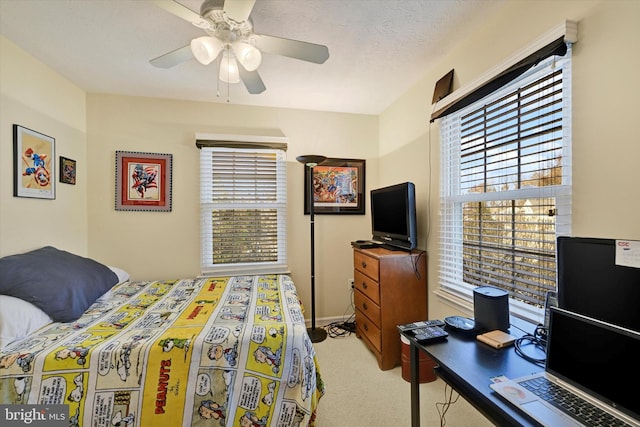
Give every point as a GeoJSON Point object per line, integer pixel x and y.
{"type": "Point", "coordinates": [61, 284]}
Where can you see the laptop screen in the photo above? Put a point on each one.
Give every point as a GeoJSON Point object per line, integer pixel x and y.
{"type": "Point", "coordinates": [596, 357]}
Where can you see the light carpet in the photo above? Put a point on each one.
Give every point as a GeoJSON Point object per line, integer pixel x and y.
{"type": "Point", "coordinates": [358, 393]}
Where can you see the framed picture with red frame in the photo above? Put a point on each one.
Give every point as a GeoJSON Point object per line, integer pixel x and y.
{"type": "Point", "coordinates": [143, 181]}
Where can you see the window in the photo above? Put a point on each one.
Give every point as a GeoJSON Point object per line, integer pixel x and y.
{"type": "Point", "coordinates": [506, 188]}
{"type": "Point", "coordinates": [243, 209]}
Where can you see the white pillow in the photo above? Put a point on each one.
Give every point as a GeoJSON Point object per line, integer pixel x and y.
{"type": "Point", "coordinates": [19, 318]}
{"type": "Point", "coordinates": [123, 276]}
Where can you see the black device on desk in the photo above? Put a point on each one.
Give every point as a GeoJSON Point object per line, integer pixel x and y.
{"type": "Point", "coordinates": [421, 324]}
{"type": "Point", "coordinates": [460, 323]}
{"type": "Point", "coordinates": [490, 309]}
{"type": "Point", "coordinates": [425, 331]}
{"type": "Point", "coordinates": [364, 244]}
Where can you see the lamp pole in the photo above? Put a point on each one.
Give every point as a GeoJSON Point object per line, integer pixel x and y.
{"type": "Point", "coordinates": [310, 161]}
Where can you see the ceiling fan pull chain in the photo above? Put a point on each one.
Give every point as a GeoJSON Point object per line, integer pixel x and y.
{"type": "Point", "coordinates": [228, 74]}
{"type": "Point", "coordinates": [218, 79]}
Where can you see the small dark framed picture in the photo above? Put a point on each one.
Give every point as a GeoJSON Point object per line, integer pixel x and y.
{"type": "Point", "coordinates": [338, 187]}
{"type": "Point", "coordinates": [67, 171]}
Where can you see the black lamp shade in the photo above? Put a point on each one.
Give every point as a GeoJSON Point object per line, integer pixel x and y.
{"type": "Point", "coordinates": [311, 159]}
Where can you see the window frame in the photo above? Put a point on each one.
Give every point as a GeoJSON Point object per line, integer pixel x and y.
{"type": "Point", "coordinates": [244, 146]}
{"type": "Point", "coordinates": [455, 291]}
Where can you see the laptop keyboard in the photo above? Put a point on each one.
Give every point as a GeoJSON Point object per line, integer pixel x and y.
{"type": "Point", "coordinates": [571, 404]}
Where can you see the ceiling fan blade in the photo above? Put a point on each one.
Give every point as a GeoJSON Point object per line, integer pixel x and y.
{"type": "Point", "coordinates": [251, 80]}
{"type": "Point", "coordinates": [297, 49]}
{"type": "Point", "coordinates": [173, 58]}
{"type": "Point", "coordinates": [179, 10]}
{"type": "Point", "coordinates": [238, 10]}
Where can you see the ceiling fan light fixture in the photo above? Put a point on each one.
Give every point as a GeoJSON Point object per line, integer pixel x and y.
{"type": "Point", "coordinates": [229, 29]}
{"type": "Point", "coordinates": [229, 68]}
{"type": "Point", "coordinates": [205, 49]}
{"type": "Point", "coordinates": [248, 55]}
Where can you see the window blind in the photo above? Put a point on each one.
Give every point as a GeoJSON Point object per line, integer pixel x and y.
{"type": "Point", "coordinates": [506, 186]}
{"type": "Point", "coordinates": [243, 210]}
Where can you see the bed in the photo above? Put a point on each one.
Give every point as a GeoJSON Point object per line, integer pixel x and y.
{"type": "Point", "coordinates": [229, 351]}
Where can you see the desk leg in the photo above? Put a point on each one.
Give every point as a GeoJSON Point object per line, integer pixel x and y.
{"type": "Point", "coordinates": [415, 385]}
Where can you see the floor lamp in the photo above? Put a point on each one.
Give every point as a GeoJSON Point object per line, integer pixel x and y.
{"type": "Point", "coordinates": [310, 161]}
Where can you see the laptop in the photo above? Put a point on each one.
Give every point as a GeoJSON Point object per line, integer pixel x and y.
{"type": "Point", "coordinates": [591, 360]}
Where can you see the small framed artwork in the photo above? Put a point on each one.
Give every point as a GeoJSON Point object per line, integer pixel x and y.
{"type": "Point", "coordinates": [33, 164]}
{"type": "Point", "coordinates": [143, 181]}
{"type": "Point", "coordinates": [338, 187]}
{"type": "Point", "coordinates": [67, 171]}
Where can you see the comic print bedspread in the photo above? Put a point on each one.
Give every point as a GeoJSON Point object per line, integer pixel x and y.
{"type": "Point", "coordinates": [229, 351]}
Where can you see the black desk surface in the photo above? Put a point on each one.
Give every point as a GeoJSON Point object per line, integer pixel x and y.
{"type": "Point", "coordinates": [468, 366]}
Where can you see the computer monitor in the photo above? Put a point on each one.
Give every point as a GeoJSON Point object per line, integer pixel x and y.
{"type": "Point", "coordinates": [591, 282]}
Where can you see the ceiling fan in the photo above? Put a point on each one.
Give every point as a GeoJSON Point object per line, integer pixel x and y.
{"type": "Point", "coordinates": [230, 35]}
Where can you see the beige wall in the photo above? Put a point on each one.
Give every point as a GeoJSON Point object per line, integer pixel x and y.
{"type": "Point", "coordinates": [400, 145]}
{"type": "Point", "coordinates": [153, 245]}
{"type": "Point", "coordinates": [33, 96]}
{"type": "Point", "coordinates": [606, 151]}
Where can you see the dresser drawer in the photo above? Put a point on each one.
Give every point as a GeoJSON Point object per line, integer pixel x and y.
{"type": "Point", "coordinates": [367, 307]}
{"type": "Point", "coordinates": [366, 264]}
{"type": "Point", "coordinates": [367, 286]}
{"type": "Point", "coordinates": [369, 330]}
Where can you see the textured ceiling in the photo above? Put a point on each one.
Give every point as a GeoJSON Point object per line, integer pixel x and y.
{"type": "Point", "coordinates": [378, 49]}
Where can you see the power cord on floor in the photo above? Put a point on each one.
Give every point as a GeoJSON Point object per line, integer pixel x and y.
{"type": "Point", "coordinates": [443, 407]}
{"type": "Point", "coordinates": [341, 329]}
{"type": "Point", "coordinates": [345, 327]}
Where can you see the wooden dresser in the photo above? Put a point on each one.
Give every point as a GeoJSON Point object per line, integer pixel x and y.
{"type": "Point", "coordinates": [390, 290]}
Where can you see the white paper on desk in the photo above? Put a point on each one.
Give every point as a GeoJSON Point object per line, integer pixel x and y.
{"type": "Point", "coordinates": [628, 253]}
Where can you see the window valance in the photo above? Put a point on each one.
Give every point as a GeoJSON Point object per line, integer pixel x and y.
{"type": "Point", "coordinates": [552, 43]}
{"type": "Point", "coordinates": [241, 141]}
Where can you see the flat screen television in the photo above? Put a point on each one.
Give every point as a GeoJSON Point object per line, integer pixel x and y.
{"type": "Point", "coordinates": [592, 283]}
{"type": "Point", "coordinates": [393, 216]}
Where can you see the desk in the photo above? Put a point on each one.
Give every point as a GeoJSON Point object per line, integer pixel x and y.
{"type": "Point", "coordinates": [467, 366]}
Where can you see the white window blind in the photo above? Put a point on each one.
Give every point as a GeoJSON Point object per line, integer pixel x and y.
{"type": "Point", "coordinates": [243, 210]}
{"type": "Point", "coordinates": [506, 188]}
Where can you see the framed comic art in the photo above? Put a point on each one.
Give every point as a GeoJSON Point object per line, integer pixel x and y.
{"type": "Point", "coordinates": [33, 164]}
{"type": "Point", "coordinates": [143, 181]}
{"type": "Point", "coordinates": [67, 171]}
{"type": "Point", "coordinates": [338, 187]}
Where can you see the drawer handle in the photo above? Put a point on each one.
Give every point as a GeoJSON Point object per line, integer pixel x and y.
{"type": "Point", "coordinates": [365, 306]}
{"type": "Point", "coordinates": [366, 327]}
{"type": "Point", "coordinates": [364, 285]}
{"type": "Point", "coordinates": [364, 264]}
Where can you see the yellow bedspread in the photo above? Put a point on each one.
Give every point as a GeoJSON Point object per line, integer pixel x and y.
{"type": "Point", "coordinates": [229, 351]}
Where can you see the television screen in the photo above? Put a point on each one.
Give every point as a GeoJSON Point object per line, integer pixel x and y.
{"type": "Point", "coordinates": [393, 215]}
{"type": "Point", "coordinates": [591, 282]}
